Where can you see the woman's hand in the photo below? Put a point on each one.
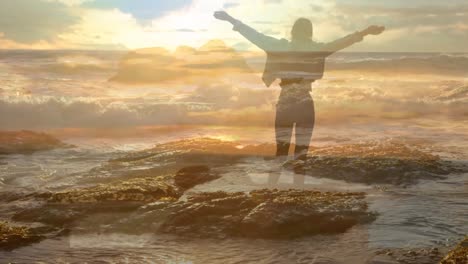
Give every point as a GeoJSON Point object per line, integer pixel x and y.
{"type": "Point", "coordinates": [374, 30]}
{"type": "Point", "coordinates": [222, 15]}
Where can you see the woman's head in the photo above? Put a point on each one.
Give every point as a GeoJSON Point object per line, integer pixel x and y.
{"type": "Point", "coordinates": [302, 30]}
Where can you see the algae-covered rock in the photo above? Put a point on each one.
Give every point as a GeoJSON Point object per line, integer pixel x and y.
{"type": "Point", "coordinates": [379, 162]}
{"type": "Point", "coordinates": [16, 236]}
{"type": "Point", "coordinates": [26, 142]}
{"type": "Point", "coordinates": [171, 157]}
{"type": "Point", "coordinates": [190, 176]}
{"type": "Point", "coordinates": [199, 148]}
{"type": "Point", "coordinates": [410, 255]}
{"type": "Point", "coordinates": [65, 207]}
{"type": "Point", "coordinates": [459, 255]}
{"type": "Point", "coordinates": [264, 213]}
{"type": "Point", "coordinates": [146, 189]}
{"type": "Point", "coordinates": [133, 190]}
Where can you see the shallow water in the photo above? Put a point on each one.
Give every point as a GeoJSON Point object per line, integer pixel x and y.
{"type": "Point", "coordinates": [430, 213]}
{"type": "Point", "coordinates": [348, 248]}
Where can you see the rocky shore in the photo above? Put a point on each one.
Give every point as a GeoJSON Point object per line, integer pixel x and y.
{"type": "Point", "coordinates": [173, 157]}
{"type": "Point", "coordinates": [62, 209]}
{"type": "Point", "coordinates": [150, 189]}
{"type": "Point", "coordinates": [158, 202]}
{"type": "Point", "coordinates": [459, 255]}
{"type": "Point", "coordinates": [264, 214]}
{"type": "Point", "coordinates": [15, 236]}
{"type": "Point", "coordinates": [27, 142]}
{"type": "Point", "coordinates": [375, 162]}
{"type": "Point", "coordinates": [410, 255]}
{"type": "Point", "coordinates": [443, 255]}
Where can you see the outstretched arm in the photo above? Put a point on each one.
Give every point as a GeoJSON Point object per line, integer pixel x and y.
{"type": "Point", "coordinates": [260, 40]}
{"type": "Point", "coordinates": [351, 39]}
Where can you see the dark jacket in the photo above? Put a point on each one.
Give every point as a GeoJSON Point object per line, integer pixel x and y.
{"type": "Point", "coordinates": [288, 60]}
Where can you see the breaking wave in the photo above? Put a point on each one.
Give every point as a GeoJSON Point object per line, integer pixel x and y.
{"type": "Point", "coordinates": [333, 106]}
{"type": "Point", "coordinates": [443, 64]}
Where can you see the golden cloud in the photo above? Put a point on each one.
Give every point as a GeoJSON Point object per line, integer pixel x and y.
{"type": "Point", "coordinates": [155, 65]}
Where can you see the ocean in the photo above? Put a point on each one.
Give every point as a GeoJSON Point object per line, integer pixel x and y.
{"type": "Point", "coordinates": [415, 99]}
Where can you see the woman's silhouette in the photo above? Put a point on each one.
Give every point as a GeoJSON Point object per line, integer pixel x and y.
{"type": "Point", "coordinates": [297, 63]}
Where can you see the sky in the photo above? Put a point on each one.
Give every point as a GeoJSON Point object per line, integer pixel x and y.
{"type": "Point", "coordinates": [412, 26]}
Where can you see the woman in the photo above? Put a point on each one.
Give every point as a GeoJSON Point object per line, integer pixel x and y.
{"type": "Point", "coordinates": [297, 63]}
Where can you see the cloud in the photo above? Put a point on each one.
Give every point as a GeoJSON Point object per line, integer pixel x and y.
{"type": "Point", "coordinates": [142, 9]}
{"type": "Point", "coordinates": [273, 1]}
{"type": "Point", "coordinates": [26, 21]}
{"type": "Point", "coordinates": [70, 2]}
{"type": "Point", "coordinates": [230, 5]}
{"type": "Point", "coordinates": [407, 22]}
{"type": "Point", "coordinates": [109, 28]}
{"type": "Point", "coordinates": [137, 24]}
{"type": "Point", "coordinates": [186, 64]}
{"type": "Point", "coordinates": [416, 26]}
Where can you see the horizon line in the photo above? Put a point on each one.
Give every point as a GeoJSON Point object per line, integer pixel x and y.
{"type": "Point", "coordinates": [130, 50]}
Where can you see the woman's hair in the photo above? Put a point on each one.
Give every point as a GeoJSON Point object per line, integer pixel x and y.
{"type": "Point", "coordinates": [302, 29]}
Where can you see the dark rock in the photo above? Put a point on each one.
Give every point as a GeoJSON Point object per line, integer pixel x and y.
{"type": "Point", "coordinates": [134, 190]}
{"type": "Point", "coordinates": [377, 162]}
{"type": "Point", "coordinates": [162, 178]}
{"type": "Point", "coordinates": [65, 207]}
{"type": "Point", "coordinates": [172, 157]}
{"type": "Point", "coordinates": [199, 149]}
{"type": "Point", "coordinates": [190, 176]}
{"type": "Point", "coordinates": [265, 214]}
{"type": "Point", "coordinates": [65, 215]}
{"type": "Point", "coordinates": [459, 255]}
{"type": "Point", "coordinates": [410, 256]}
{"type": "Point", "coordinates": [12, 237]}
{"type": "Point", "coordinates": [27, 142]}
{"type": "Point", "coordinates": [10, 196]}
